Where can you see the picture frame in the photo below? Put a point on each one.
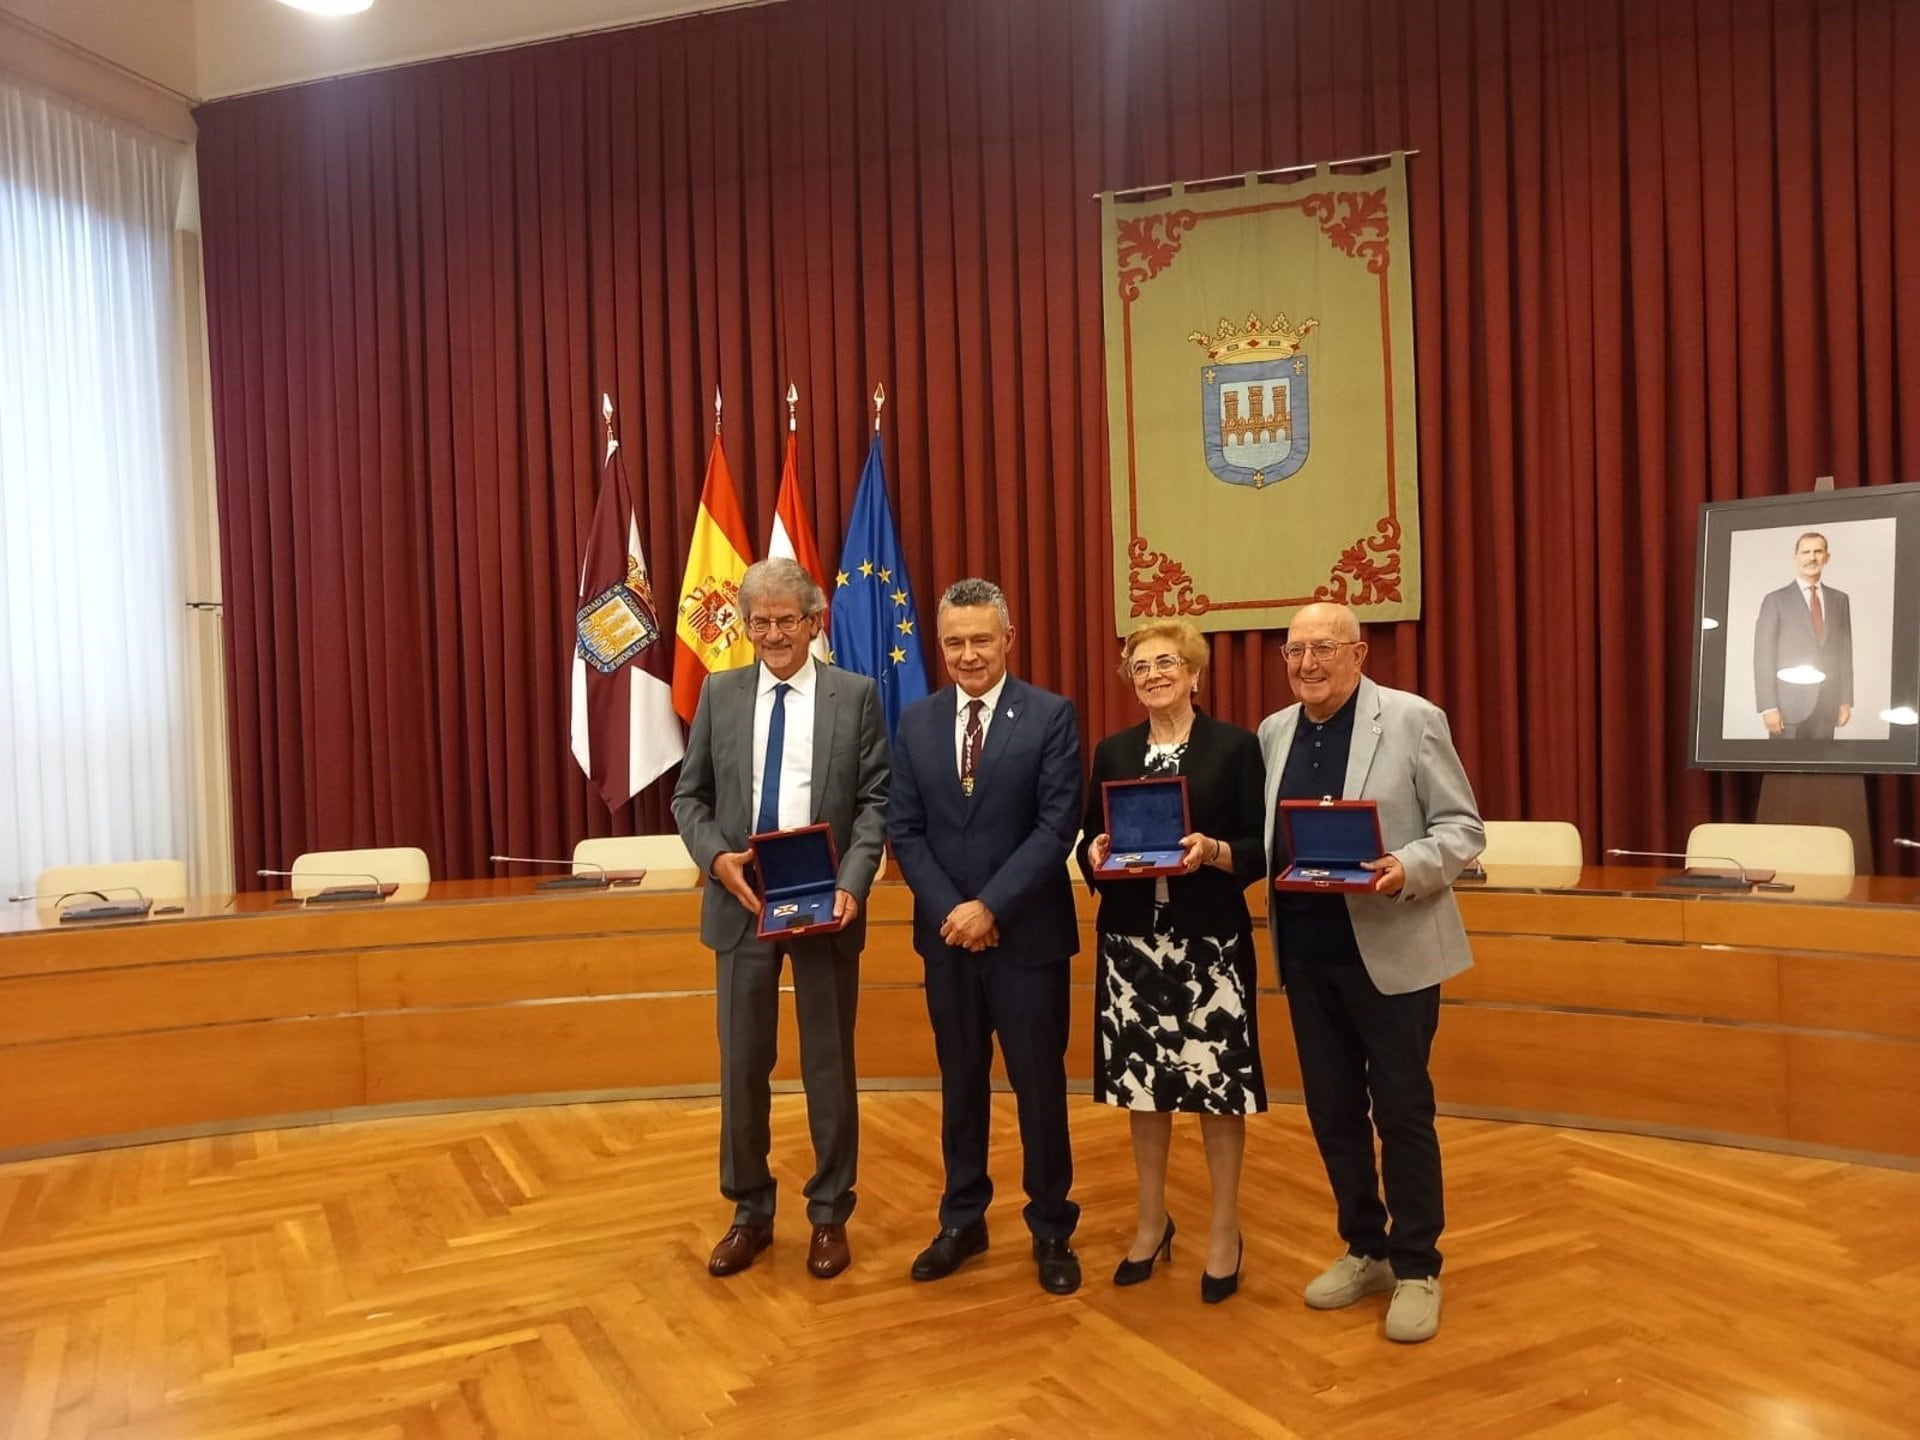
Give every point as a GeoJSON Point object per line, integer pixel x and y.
{"type": "Point", "coordinates": [1770, 694]}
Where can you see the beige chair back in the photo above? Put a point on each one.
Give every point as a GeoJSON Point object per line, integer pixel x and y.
{"type": "Point", "coordinates": [1790, 849]}
{"type": "Point", "coordinates": [663, 857]}
{"type": "Point", "coordinates": [161, 881]}
{"type": "Point", "coordinates": [1532, 842]}
{"type": "Point", "coordinates": [402, 865]}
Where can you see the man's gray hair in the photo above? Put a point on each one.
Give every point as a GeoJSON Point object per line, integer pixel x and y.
{"type": "Point", "coordinates": [965, 594]}
{"type": "Point", "coordinates": [768, 579]}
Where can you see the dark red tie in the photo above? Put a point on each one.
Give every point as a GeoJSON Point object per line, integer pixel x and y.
{"type": "Point", "coordinates": [1819, 615]}
{"type": "Point", "coordinates": [970, 744]}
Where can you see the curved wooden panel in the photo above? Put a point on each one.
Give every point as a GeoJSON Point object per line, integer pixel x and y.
{"type": "Point", "coordinates": [1785, 1020]}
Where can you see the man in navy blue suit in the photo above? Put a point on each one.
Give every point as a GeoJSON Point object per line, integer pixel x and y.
{"type": "Point", "coordinates": [985, 807]}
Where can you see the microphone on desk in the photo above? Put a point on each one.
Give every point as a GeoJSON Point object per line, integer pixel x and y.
{"type": "Point", "coordinates": [597, 880]}
{"type": "Point", "coordinates": [1743, 878]}
{"type": "Point", "coordinates": [374, 889]}
{"type": "Point", "coordinates": [105, 908]}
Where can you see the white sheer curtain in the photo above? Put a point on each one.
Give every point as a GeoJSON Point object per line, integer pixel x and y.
{"type": "Point", "coordinates": [98, 343]}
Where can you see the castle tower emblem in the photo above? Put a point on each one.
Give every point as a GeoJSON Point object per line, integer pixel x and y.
{"type": "Point", "coordinates": [1253, 399]}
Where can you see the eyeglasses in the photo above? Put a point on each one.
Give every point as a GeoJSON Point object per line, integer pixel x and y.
{"type": "Point", "coordinates": [1158, 665]}
{"type": "Point", "coordinates": [785, 624]}
{"type": "Point", "coordinates": [1322, 650]}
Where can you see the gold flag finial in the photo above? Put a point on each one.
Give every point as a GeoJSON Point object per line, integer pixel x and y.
{"type": "Point", "coordinates": [793, 399]}
{"type": "Point", "coordinates": [879, 404]}
{"type": "Point", "coordinates": [606, 415]}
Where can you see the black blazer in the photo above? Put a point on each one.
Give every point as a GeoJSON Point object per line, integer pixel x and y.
{"type": "Point", "coordinates": [1226, 785]}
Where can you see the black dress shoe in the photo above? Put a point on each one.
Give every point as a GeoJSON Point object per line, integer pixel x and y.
{"type": "Point", "coordinates": [948, 1250]}
{"type": "Point", "coordinates": [1059, 1266]}
{"type": "Point", "coordinates": [1132, 1272]}
{"type": "Point", "coordinates": [1215, 1288]}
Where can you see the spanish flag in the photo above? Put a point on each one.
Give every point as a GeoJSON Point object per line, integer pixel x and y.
{"type": "Point", "coordinates": [710, 633]}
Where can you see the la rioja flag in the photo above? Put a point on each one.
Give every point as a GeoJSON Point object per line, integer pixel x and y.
{"type": "Point", "coordinates": [625, 734]}
{"type": "Point", "coordinates": [793, 534]}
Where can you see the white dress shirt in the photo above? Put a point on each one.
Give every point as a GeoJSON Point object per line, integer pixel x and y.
{"type": "Point", "coordinates": [990, 699]}
{"type": "Point", "coordinates": [796, 751]}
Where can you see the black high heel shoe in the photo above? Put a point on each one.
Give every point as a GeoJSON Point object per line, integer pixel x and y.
{"type": "Point", "coordinates": [1132, 1272]}
{"type": "Point", "coordinates": [1215, 1288]}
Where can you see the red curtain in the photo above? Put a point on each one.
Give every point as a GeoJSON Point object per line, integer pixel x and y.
{"type": "Point", "coordinates": [1665, 251]}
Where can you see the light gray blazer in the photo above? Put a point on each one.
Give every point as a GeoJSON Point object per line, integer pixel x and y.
{"type": "Point", "coordinates": [1403, 758]}
{"type": "Point", "coordinates": [713, 802]}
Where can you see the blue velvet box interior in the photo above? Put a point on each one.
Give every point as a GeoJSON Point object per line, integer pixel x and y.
{"type": "Point", "coordinates": [1328, 841]}
{"type": "Point", "coordinates": [1145, 820]}
{"type": "Point", "coordinates": [798, 870]}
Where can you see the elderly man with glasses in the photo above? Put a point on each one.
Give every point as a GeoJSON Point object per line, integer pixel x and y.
{"type": "Point", "coordinates": [1362, 972]}
{"type": "Point", "coordinates": [775, 746]}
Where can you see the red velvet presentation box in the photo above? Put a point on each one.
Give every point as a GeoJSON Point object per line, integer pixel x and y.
{"type": "Point", "coordinates": [1328, 839]}
{"type": "Point", "coordinates": [798, 872]}
{"type": "Point", "coordinates": [1145, 820]}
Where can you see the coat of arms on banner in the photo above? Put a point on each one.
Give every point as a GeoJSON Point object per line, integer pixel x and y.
{"type": "Point", "coordinates": [1254, 414]}
{"type": "Point", "coordinates": [617, 624]}
{"type": "Point", "coordinates": [1301, 483]}
{"type": "Point", "coordinates": [712, 609]}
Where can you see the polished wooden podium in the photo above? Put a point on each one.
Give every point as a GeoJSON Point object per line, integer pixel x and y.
{"type": "Point", "coordinates": [1788, 1020]}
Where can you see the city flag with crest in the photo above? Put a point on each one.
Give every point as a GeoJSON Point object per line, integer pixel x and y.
{"type": "Point", "coordinates": [1260, 399]}
{"type": "Point", "coordinates": [625, 734]}
{"type": "Point", "coordinates": [876, 626]}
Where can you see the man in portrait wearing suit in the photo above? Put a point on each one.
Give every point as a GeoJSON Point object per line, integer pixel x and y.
{"type": "Point", "coordinates": [777, 745]}
{"type": "Point", "coordinates": [1362, 972]}
{"type": "Point", "coordinates": [986, 803]}
{"type": "Point", "coordinates": [1804, 626]}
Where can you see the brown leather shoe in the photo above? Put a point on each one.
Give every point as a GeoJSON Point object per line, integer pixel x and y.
{"type": "Point", "coordinates": [738, 1247]}
{"type": "Point", "coordinates": [827, 1254]}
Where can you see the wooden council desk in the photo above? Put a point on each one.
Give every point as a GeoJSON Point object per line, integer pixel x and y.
{"type": "Point", "coordinates": [1790, 1021]}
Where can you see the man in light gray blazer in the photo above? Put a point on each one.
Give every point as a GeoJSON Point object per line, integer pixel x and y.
{"type": "Point", "coordinates": [774, 746]}
{"type": "Point", "coordinates": [1362, 971]}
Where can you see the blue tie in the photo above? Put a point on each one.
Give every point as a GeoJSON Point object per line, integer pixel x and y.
{"type": "Point", "coordinates": [770, 769]}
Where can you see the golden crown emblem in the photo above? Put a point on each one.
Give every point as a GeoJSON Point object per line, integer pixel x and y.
{"type": "Point", "coordinates": [1256, 340]}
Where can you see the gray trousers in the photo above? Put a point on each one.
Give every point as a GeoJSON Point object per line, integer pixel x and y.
{"type": "Point", "coordinates": [826, 993]}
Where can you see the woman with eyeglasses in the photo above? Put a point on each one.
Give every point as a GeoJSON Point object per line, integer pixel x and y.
{"type": "Point", "coordinates": [1175, 1019]}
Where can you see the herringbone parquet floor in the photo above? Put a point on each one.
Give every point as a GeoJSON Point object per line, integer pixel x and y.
{"type": "Point", "coordinates": [540, 1273]}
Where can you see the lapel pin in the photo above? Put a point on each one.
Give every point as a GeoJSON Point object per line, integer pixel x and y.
{"type": "Point", "coordinates": [1376, 729]}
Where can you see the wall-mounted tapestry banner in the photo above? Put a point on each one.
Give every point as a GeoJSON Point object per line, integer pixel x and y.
{"type": "Point", "coordinates": [1260, 400]}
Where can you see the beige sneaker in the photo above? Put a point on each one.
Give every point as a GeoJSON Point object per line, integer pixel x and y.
{"type": "Point", "coordinates": [1414, 1313]}
{"type": "Point", "coordinates": [1347, 1280]}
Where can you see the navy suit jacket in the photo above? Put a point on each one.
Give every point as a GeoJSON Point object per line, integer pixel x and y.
{"type": "Point", "coordinates": [1007, 844]}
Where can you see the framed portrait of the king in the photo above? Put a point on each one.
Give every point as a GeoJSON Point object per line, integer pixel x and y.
{"type": "Point", "coordinates": [1806, 643]}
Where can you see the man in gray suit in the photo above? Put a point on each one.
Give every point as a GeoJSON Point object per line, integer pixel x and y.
{"type": "Point", "coordinates": [777, 745]}
{"type": "Point", "coordinates": [1804, 629]}
{"type": "Point", "coordinates": [1362, 972]}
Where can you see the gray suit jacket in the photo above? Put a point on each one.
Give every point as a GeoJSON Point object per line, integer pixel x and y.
{"type": "Point", "coordinates": [713, 803]}
{"type": "Point", "coordinates": [1403, 758]}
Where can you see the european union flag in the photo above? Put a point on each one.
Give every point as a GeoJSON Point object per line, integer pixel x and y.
{"type": "Point", "coordinates": [875, 625]}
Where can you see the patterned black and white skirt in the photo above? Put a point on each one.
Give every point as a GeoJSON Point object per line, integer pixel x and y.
{"type": "Point", "coordinates": [1176, 1025]}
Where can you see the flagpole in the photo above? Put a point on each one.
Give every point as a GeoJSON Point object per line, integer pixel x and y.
{"type": "Point", "coordinates": [879, 404]}
{"type": "Point", "coordinates": [793, 399]}
{"type": "Point", "coordinates": [606, 414]}
{"type": "Point", "coordinates": [716, 410]}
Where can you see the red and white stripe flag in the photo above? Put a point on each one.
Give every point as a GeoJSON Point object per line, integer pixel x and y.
{"type": "Point", "coordinates": [625, 733]}
{"type": "Point", "coordinates": [792, 533]}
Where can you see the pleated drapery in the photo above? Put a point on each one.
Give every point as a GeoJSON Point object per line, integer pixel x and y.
{"type": "Point", "coordinates": [1664, 251]}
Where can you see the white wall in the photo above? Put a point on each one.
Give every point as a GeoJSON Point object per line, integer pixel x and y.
{"type": "Point", "coordinates": [133, 59]}
{"type": "Point", "coordinates": [247, 45]}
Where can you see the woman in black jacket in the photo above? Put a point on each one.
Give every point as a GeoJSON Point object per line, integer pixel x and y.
{"type": "Point", "coordinates": [1175, 1024]}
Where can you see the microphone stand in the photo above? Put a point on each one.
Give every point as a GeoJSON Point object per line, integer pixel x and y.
{"type": "Point", "coordinates": [596, 879]}
{"type": "Point", "coordinates": [1742, 878]}
{"type": "Point", "coordinates": [374, 889]}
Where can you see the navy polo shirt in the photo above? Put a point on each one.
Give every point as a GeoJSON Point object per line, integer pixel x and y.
{"type": "Point", "coordinates": [1315, 927]}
